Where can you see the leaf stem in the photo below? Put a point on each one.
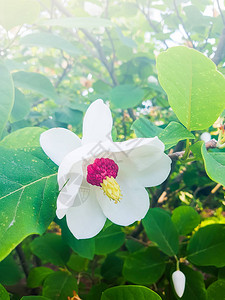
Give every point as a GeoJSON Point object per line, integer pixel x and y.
{"type": "Point", "coordinates": [187, 150]}
{"type": "Point", "coordinates": [177, 263]}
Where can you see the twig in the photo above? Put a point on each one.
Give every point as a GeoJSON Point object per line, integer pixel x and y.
{"type": "Point", "coordinates": [22, 260]}
{"type": "Point", "coordinates": [182, 23]}
{"type": "Point", "coordinates": [209, 145]}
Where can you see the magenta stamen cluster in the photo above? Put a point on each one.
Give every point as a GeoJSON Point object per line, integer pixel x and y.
{"type": "Point", "coordinates": [100, 169]}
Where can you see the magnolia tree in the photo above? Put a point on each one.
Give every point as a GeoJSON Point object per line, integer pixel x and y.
{"type": "Point", "coordinates": [112, 163]}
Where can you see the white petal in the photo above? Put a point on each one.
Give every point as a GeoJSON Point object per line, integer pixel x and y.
{"type": "Point", "coordinates": [68, 194]}
{"type": "Point", "coordinates": [97, 125]}
{"type": "Point", "coordinates": [141, 151]}
{"type": "Point", "coordinates": [179, 282]}
{"type": "Point", "coordinates": [87, 220]}
{"type": "Point", "coordinates": [132, 207]}
{"type": "Point", "coordinates": [155, 174]}
{"type": "Point", "coordinates": [58, 142]}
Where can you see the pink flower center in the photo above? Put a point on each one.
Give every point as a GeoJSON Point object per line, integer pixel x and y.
{"type": "Point", "coordinates": [100, 170]}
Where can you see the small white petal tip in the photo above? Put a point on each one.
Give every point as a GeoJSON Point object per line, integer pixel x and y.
{"type": "Point", "coordinates": [179, 282]}
{"type": "Point", "coordinates": [205, 137]}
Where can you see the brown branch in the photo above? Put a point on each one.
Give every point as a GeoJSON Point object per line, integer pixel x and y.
{"type": "Point", "coordinates": [177, 155]}
{"type": "Point", "coordinates": [22, 259]}
{"type": "Point", "coordinates": [220, 51]}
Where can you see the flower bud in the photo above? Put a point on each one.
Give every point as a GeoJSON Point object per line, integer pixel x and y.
{"type": "Point", "coordinates": [179, 282]}
{"type": "Point", "coordinates": [205, 137]}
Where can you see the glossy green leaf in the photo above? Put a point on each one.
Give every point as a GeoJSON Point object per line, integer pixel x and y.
{"type": "Point", "coordinates": [214, 165]}
{"type": "Point", "coordinates": [21, 107]}
{"type": "Point", "coordinates": [78, 22]}
{"type": "Point", "coordinates": [10, 272]}
{"type": "Point", "coordinates": [85, 248]}
{"type": "Point", "coordinates": [35, 82]}
{"type": "Point", "coordinates": [59, 286]}
{"type": "Point", "coordinates": [77, 263]}
{"type": "Point", "coordinates": [6, 96]}
{"type": "Point", "coordinates": [14, 12]}
{"type": "Point", "coordinates": [109, 240]}
{"type": "Point", "coordinates": [161, 230]}
{"type": "Point", "coordinates": [185, 218]}
{"type": "Point", "coordinates": [34, 298]}
{"type": "Point", "coordinates": [145, 266]}
{"type": "Point", "coordinates": [69, 116]}
{"type": "Point", "coordinates": [28, 191]}
{"type": "Point", "coordinates": [126, 96]}
{"type": "Point", "coordinates": [144, 128]}
{"type": "Point", "coordinates": [50, 248]}
{"type": "Point", "coordinates": [112, 267]}
{"type": "Point", "coordinates": [216, 290]}
{"type": "Point", "coordinates": [49, 40]}
{"type": "Point", "coordinates": [174, 133]}
{"type": "Point", "coordinates": [207, 246]}
{"type": "Point", "coordinates": [3, 293]}
{"type": "Point", "coordinates": [194, 87]}
{"type": "Point", "coordinates": [131, 292]}
{"type": "Point", "coordinates": [37, 276]}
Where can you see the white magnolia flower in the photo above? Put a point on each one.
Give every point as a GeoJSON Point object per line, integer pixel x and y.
{"type": "Point", "coordinates": [99, 178]}
{"type": "Point", "coordinates": [205, 137]}
{"type": "Point", "coordinates": [179, 282]}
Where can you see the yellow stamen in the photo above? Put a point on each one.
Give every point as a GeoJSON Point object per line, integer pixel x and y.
{"type": "Point", "coordinates": [111, 189]}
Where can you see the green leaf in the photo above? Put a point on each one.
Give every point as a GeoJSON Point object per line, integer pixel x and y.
{"type": "Point", "coordinates": [195, 286]}
{"type": "Point", "coordinates": [112, 267]}
{"type": "Point", "coordinates": [77, 263]}
{"type": "Point", "coordinates": [144, 267]}
{"type": "Point", "coordinates": [21, 107]}
{"type": "Point", "coordinates": [83, 22]}
{"type": "Point", "coordinates": [126, 96]}
{"type": "Point", "coordinates": [26, 139]}
{"type": "Point", "coordinates": [28, 188]}
{"type": "Point", "coordinates": [10, 272]}
{"type": "Point", "coordinates": [37, 276]}
{"type": "Point", "coordinates": [207, 246]}
{"type": "Point", "coordinates": [216, 290]}
{"type": "Point", "coordinates": [35, 82]}
{"type": "Point", "coordinates": [185, 218]}
{"type": "Point", "coordinates": [144, 128]}
{"type": "Point", "coordinates": [214, 165]}
{"type": "Point", "coordinates": [161, 230]}
{"type": "Point", "coordinates": [6, 96]}
{"type": "Point", "coordinates": [69, 116]}
{"type": "Point", "coordinates": [173, 133]}
{"type": "Point", "coordinates": [194, 87]}
{"type": "Point", "coordinates": [109, 240]}
{"type": "Point", "coordinates": [3, 293]}
{"type": "Point", "coordinates": [14, 12]}
{"type": "Point", "coordinates": [34, 298]}
{"type": "Point", "coordinates": [51, 248]}
{"type": "Point", "coordinates": [49, 40]}
{"type": "Point", "coordinates": [125, 292]}
{"type": "Point", "coordinates": [59, 286]}
{"type": "Point", "coordinates": [85, 248]}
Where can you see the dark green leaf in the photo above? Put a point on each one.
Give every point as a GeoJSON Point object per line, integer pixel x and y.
{"type": "Point", "coordinates": [129, 292]}
{"type": "Point", "coordinates": [161, 230]}
{"type": "Point", "coordinates": [59, 286]}
{"type": "Point", "coordinates": [185, 218]}
{"type": "Point", "coordinates": [37, 276]}
{"type": "Point", "coordinates": [21, 107]}
{"type": "Point", "coordinates": [216, 290]}
{"type": "Point", "coordinates": [145, 266]}
{"type": "Point", "coordinates": [51, 248]}
{"type": "Point", "coordinates": [10, 272]}
{"type": "Point", "coordinates": [207, 246]}
{"type": "Point", "coordinates": [144, 128]}
{"type": "Point", "coordinates": [109, 240]}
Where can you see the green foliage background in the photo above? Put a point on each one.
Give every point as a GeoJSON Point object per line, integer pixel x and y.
{"type": "Point", "coordinates": [57, 57]}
